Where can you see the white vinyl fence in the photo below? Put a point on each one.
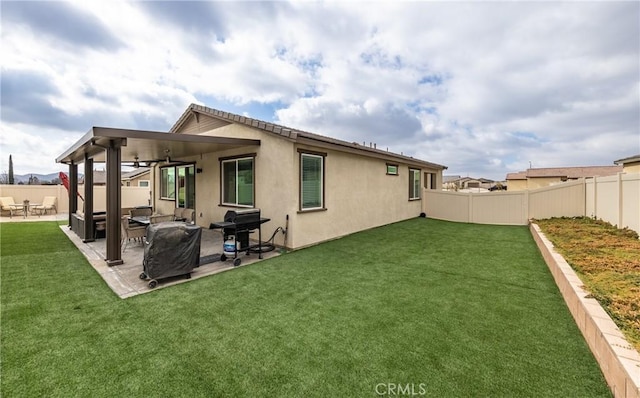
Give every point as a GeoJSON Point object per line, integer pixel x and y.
{"type": "Point", "coordinates": [614, 199]}
{"type": "Point", "coordinates": [131, 196]}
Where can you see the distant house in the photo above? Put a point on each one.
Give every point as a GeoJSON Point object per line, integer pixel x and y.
{"type": "Point", "coordinates": [466, 183]}
{"type": "Point", "coordinates": [99, 178]}
{"type": "Point", "coordinates": [139, 177]}
{"type": "Point", "coordinates": [542, 177]}
{"type": "Point", "coordinates": [630, 165]}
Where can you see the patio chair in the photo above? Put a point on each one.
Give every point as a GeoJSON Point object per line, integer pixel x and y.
{"type": "Point", "coordinates": [100, 229]}
{"type": "Point", "coordinates": [48, 203]}
{"type": "Point", "coordinates": [8, 204]}
{"type": "Point", "coordinates": [131, 232]}
{"type": "Point", "coordinates": [187, 215]}
{"type": "Point", "coordinates": [141, 212]}
{"type": "Point", "coordinates": [158, 218]}
{"type": "Point", "coordinates": [177, 214]}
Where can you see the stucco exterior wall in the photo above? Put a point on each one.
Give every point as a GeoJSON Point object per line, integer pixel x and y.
{"type": "Point", "coordinates": [516, 185]}
{"type": "Point", "coordinates": [135, 182]}
{"type": "Point", "coordinates": [541, 182]}
{"type": "Point", "coordinates": [358, 192]}
{"type": "Point", "coordinates": [631, 168]}
{"type": "Point", "coordinates": [273, 180]}
{"type": "Point", "coordinates": [358, 195]}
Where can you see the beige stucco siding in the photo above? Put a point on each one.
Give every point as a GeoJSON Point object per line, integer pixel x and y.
{"type": "Point", "coordinates": [358, 195]}
{"type": "Point", "coordinates": [516, 185]}
{"type": "Point", "coordinates": [273, 179]}
{"type": "Point", "coordinates": [358, 192]}
{"type": "Point", "coordinates": [541, 182]}
{"type": "Point", "coordinates": [631, 168]}
{"type": "Point", "coordinates": [135, 182]}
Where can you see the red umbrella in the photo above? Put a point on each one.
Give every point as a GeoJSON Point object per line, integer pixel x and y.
{"type": "Point", "coordinates": [65, 182]}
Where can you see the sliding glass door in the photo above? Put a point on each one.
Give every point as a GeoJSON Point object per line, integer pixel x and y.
{"type": "Point", "coordinates": [186, 186]}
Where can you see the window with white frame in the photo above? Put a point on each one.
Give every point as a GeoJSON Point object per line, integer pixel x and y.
{"type": "Point", "coordinates": [237, 187]}
{"type": "Point", "coordinates": [143, 183]}
{"type": "Point", "coordinates": [414, 184]}
{"type": "Point", "coordinates": [311, 181]}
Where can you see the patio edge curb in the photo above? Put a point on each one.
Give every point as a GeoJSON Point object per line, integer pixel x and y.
{"type": "Point", "coordinates": [618, 360]}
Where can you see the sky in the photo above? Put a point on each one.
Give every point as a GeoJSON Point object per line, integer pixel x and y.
{"type": "Point", "coordinates": [484, 88]}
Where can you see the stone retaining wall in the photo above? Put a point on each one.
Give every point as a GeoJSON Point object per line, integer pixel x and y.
{"type": "Point", "coordinates": [619, 361]}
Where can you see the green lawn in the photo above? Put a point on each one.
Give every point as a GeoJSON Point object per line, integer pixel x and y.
{"type": "Point", "coordinates": [452, 309]}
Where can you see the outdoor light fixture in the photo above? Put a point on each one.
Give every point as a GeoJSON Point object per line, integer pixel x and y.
{"type": "Point", "coordinates": [136, 164]}
{"type": "Point", "coordinates": [167, 158]}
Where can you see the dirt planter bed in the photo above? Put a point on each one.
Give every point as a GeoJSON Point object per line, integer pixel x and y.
{"type": "Point", "coordinates": [619, 361]}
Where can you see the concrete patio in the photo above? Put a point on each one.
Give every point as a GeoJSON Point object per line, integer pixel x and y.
{"type": "Point", "coordinates": [125, 280]}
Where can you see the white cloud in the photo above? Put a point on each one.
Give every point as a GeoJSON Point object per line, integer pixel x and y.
{"type": "Point", "coordinates": [481, 87]}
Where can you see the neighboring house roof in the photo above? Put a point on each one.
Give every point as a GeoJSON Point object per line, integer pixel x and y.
{"type": "Point", "coordinates": [99, 178]}
{"type": "Point", "coordinates": [135, 173]}
{"type": "Point", "coordinates": [520, 175]}
{"type": "Point", "coordinates": [450, 178]}
{"type": "Point", "coordinates": [566, 172]}
{"type": "Point", "coordinates": [303, 137]}
{"type": "Point", "coordinates": [465, 179]}
{"type": "Point", "coordinates": [630, 159]}
{"type": "Point", "coordinates": [574, 172]}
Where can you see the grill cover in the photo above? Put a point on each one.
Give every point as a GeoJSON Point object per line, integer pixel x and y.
{"type": "Point", "coordinates": [171, 249]}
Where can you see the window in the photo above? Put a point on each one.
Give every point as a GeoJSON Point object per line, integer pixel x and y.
{"type": "Point", "coordinates": [311, 181]}
{"type": "Point", "coordinates": [430, 180]}
{"type": "Point", "coordinates": [414, 184]}
{"type": "Point", "coordinates": [392, 169]}
{"type": "Point", "coordinates": [237, 181]}
{"type": "Point", "coordinates": [168, 183]}
{"type": "Point", "coordinates": [143, 183]}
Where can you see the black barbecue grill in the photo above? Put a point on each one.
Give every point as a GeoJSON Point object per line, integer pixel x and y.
{"type": "Point", "coordinates": [240, 223]}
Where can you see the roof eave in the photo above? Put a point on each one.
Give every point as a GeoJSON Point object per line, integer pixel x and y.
{"type": "Point", "coordinates": [362, 150]}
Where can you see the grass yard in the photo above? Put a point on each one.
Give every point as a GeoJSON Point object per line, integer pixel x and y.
{"type": "Point", "coordinates": [607, 259]}
{"type": "Point", "coordinates": [448, 309]}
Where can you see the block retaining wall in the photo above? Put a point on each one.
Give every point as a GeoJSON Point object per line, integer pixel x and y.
{"type": "Point", "coordinates": [619, 361]}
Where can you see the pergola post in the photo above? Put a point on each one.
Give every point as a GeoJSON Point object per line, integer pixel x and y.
{"type": "Point", "coordinates": [114, 200]}
{"type": "Point", "coordinates": [73, 190]}
{"type": "Point", "coordinates": [88, 199]}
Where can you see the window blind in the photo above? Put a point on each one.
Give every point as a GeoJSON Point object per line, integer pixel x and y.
{"type": "Point", "coordinates": [311, 181]}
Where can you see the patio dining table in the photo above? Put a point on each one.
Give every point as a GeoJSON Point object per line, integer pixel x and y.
{"type": "Point", "coordinates": [142, 220]}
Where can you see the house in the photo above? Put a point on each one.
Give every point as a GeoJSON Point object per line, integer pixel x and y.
{"type": "Point", "coordinates": [318, 188]}
{"type": "Point", "coordinates": [138, 177]}
{"type": "Point", "coordinates": [541, 177]}
{"type": "Point", "coordinates": [99, 178]}
{"type": "Point", "coordinates": [630, 165]}
{"type": "Point", "coordinates": [467, 183]}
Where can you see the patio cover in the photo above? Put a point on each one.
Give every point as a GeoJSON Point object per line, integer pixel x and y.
{"type": "Point", "coordinates": [114, 146]}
